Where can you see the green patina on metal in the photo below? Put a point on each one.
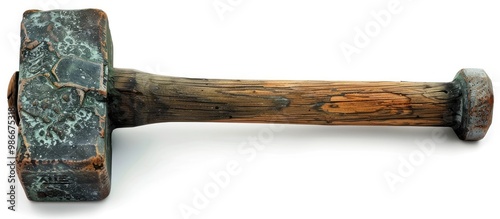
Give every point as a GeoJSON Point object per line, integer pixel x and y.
{"type": "Point", "coordinates": [64, 147]}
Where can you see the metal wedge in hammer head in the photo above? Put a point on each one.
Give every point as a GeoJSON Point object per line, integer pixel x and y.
{"type": "Point", "coordinates": [69, 97]}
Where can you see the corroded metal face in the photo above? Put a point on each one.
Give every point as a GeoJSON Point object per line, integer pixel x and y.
{"type": "Point", "coordinates": [64, 151]}
{"type": "Point", "coordinates": [476, 107]}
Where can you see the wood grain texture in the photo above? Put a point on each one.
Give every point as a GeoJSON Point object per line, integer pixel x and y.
{"type": "Point", "coordinates": [139, 98]}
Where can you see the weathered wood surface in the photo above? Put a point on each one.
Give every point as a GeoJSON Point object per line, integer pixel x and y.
{"type": "Point", "coordinates": [139, 98]}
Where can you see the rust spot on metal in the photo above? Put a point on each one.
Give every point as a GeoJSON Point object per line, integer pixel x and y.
{"type": "Point", "coordinates": [102, 124]}
{"type": "Point", "coordinates": [31, 45]}
{"type": "Point", "coordinates": [65, 97]}
{"type": "Point", "coordinates": [81, 94]}
{"type": "Point", "coordinates": [103, 31]}
{"type": "Point", "coordinates": [30, 11]}
{"type": "Point", "coordinates": [52, 36]}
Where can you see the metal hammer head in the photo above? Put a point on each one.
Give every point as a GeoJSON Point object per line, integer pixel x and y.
{"type": "Point", "coordinates": [64, 151]}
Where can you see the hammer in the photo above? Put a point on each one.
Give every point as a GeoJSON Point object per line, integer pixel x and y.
{"type": "Point", "coordinates": [68, 98]}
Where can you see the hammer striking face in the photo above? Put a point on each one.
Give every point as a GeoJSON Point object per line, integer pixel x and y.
{"type": "Point", "coordinates": [69, 98]}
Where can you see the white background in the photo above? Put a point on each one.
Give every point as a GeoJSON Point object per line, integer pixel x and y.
{"type": "Point", "coordinates": [302, 171]}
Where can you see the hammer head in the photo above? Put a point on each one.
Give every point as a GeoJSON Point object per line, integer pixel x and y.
{"type": "Point", "coordinates": [64, 151]}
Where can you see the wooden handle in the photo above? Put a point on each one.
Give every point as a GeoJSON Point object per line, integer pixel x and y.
{"type": "Point", "coordinates": [139, 98]}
